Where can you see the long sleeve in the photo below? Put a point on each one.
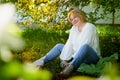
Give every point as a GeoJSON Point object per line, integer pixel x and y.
{"type": "Point", "coordinates": [67, 51]}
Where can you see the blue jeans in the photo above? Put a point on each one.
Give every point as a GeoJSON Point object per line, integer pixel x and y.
{"type": "Point", "coordinates": [85, 55]}
{"type": "Point", "coordinates": [54, 53]}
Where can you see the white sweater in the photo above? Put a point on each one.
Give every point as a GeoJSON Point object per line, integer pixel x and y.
{"type": "Point", "coordinates": [76, 39]}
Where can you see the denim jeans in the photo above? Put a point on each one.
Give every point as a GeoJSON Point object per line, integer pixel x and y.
{"type": "Point", "coordinates": [85, 55]}
{"type": "Point", "coordinates": [54, 53]}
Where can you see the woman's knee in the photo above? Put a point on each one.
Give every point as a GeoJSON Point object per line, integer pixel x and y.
{"type": "Point", "coordinates": [85, 46]}
{"type": "Point", "coordinates": [59, 45]}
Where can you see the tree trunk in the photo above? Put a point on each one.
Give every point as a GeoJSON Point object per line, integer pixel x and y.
{"type": "Point", "coordinates": [113, 17]}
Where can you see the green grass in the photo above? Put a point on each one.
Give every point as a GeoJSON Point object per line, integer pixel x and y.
{"type": "Point", "coordinates": [39, 42]}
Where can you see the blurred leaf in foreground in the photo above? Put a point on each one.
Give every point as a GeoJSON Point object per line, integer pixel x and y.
{"type": "Point", "coordinates": [82, 78]}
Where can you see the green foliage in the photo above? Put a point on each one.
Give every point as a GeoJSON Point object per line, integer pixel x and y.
{"type": "Point", "coordinates": [14, 70]}
{"type": "Point", "coordinates": [41, 11]}
{"type": "Point", "coordinates": [49, 13]}
{"type": "Point", "coordinates": [108, 7]}
{"type": "Point", "coordinates": [97, 69]}
{"type": "Point", "coordinates": [5, 1]}
{"type": "Point", "coordinates": [80, 2]}
{"type": "Point", "coordinates": [109, 40]}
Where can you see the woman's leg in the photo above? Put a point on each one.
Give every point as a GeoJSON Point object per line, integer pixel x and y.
{"type": "Point", "coordinates": [53, 53]}
{"type": "Point", "coordinates": [85, 55]}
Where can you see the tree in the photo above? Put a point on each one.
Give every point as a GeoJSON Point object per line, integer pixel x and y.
{"type": "Point", "coordinates": [110, 6]}
{"type": "Point", "coordinates": [92, 15]}
{"type": "Point", "coordinates": [54, 12]}
{"type": "Point", "coordinates": [49, 14]}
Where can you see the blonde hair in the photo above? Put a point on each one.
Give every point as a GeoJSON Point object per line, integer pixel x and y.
{"type": "Point", "coordinates": [78, 13]}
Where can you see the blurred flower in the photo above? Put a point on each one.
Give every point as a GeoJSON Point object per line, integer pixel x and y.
{"type": "Point", "coordinates": [10, 40]}
{"type": "Point", "coordinates": [9, 32]}
{"type": "Point", "coordinates": [6, 13]}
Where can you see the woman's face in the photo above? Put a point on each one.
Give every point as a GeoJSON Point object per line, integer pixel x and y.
{"type": "Point", "coordinates": [75, 20]}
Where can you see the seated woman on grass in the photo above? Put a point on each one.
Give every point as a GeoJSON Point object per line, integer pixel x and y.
{"type": "Point", "coordinates": [82, 45]}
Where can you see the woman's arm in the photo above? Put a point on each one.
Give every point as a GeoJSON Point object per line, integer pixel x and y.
{"type": "Point", "coordinates": [67, 51]}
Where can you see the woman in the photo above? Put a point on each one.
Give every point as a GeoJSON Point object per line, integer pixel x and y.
{"type": "Point", "coordinates": [82, 45]}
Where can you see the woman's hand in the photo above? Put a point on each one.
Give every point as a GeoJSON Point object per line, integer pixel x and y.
{"type": "Point", "coordinates": [64, 64]}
